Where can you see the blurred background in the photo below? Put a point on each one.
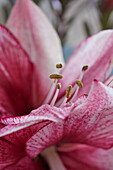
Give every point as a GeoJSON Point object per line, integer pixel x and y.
{"type": "Point", "coordinates": [74, 20]}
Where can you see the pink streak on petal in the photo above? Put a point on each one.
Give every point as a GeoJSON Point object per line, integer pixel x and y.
{"type": "Point", "coordinates": [15, 76]}
{"type": "Point", "coordinates": [20, 133]}
{"type": "Point", "coordinates": [88, 158]}
{"type": "Point", "coordinates": [96, 52]}
{"type": "Point", "coordinates": [45, 112]}
{"type": "Point", "coordinates": [26, 126]}
{"type": "Point", "coordinates": [39, 39]}
{"type": "Point", "coordinates": [47, 136]}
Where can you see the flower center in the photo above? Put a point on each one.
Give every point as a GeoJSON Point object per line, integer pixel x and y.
{"type": "Point", "coordinates": [54, 91]}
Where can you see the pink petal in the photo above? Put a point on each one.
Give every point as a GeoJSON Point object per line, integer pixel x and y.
{"type": "Point", "coordinates": [20, 129]}
{"type": "Point", "coordinates": [9, 153]}
{"type": "Point", "coordinates": [25, 164]}
{"type": "Point", "coordinates": [47, 136]}
{"type": "Point", "coordinates": [92, 121]}
{"type": "Point", "coordinates": [45, 112]}
{"type": "Point", "coordinates": [96, 52]}
{"type": "Point", "coordinates": [20, 133]}
{"type": "Point", "coordinates": [88, 158]}
{"type": "Point", "coordinates": [39, 39]}
{"type": "Point", "coordinates": [50, 134]}
{"type": "Point", "coordinates": [16, 73]}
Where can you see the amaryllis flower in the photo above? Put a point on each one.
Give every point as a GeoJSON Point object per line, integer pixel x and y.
{"type": "Point", "coordinates": [41, 127]}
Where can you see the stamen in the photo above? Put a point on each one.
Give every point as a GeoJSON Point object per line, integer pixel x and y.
{"type": "Point", "coordinates": [56, 76]}
{"type": "Point", "coordinates": [59, 65]}
{"type": "Point", "coordinates": [50, 94]}
{"type": "Point", "coordinates": [79, 83]}
{"type": "Point", "coordinates": [75, 88]}
{"type": "Point", "coordinates": [68, 91]}
{"type": "Point", "coordinates": [68, 94]}
{"type": "Point", "coordinates": [56, 94]}
{"type": "Point", "coordinates": [86, 98]}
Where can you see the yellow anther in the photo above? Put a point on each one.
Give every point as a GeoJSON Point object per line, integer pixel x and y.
{"type": "Point", "coordinates": [58, 85]}
{"type": "Point", "coordinates": [84, 68]}
{"type": "Point", "coordinates": [56, 76]}
{"type": "Point", "coordinates": [59, 65]}
{"type": "Point", "coordinates": [79, 83]}
{"type": "Point", "coordinates": [68, 91]}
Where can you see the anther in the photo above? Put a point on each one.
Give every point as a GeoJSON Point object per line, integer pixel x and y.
{"type": "Point", "coordinates": [68, 91]}
{"type": "Point", "coordinates": [59, 65]}
{"type": "Point", "coordinates": [79, 83]}
{"type": "Point", "coordinates": [58, 85]}
{"type": "Point", "coordinates": [84, 68]}
{"type": "Point", "coordinates": [56, 76]}
{"type": "Point", "coordinates": [68, 94]}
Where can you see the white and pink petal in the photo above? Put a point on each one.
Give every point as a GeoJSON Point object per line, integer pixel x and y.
{"type": "Point", "coordinates": [20, 129]}
{"type": "Point", "coordinates": [96, 52]}
{"type": "Point", "coordinates": [37, 36]}
{"type": "Point", "coordinates": [91, 122]}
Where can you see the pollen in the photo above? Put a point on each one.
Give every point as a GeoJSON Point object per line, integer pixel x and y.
{"type": "Point", "coordinates": [68, 91]}
{"type": "Point", "coordinates": [59, 65]}
{"type": "Point", "coordinates": [58, 85]}
{"type": "Point", "coordinates": [84, 68]}
{"type": "Point", "coordinates": [79, 83]}
{"type": "Point", "coordinates": [56, 76]}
